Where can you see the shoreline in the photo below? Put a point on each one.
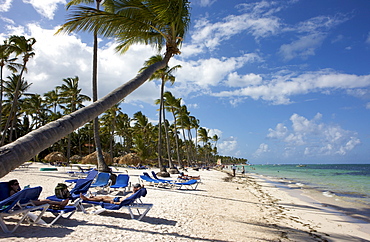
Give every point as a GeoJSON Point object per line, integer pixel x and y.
{"type": "Point", "coordinates": [222, 208]}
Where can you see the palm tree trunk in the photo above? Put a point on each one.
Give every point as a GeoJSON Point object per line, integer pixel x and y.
{"type": "Point", "coordinates": [102, 166]}
{"type": "Point", "coordinates": [14, 154]}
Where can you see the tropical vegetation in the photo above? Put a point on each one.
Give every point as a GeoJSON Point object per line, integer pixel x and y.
{"type": "Point", "coordinates": [58, 126]}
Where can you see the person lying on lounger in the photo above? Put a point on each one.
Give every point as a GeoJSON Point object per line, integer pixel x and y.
{"type": "Point", "coordinates": [14, 187]}
{"type": "Point", "coordinates": [111, 199]}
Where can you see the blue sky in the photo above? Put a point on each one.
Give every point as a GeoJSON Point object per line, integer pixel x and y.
{"type": "Point", "coordinates": [278, 81]}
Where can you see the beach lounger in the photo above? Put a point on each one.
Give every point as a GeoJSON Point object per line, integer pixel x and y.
{"type": "Point", "coordinates": [193, 184]}
{"type": "Point", "coordinates": [91, 175]}
{"type": "Point", "coordinates": [130, 203]}
{"type": "Point", "coordinates": [146, 178]}
{"type": "Point", "coordinates": [121, 182]}
{"type": "Point", "coordinates": [82, 186]}
{"type": "Point", "coordinates": [162, 180]}
{"type": "Point", "coordinates": [102, 181]}
{"type": "Point", "coordinates": [21, 204]}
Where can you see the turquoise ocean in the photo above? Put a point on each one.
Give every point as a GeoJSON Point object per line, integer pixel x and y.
{"type": "Point", "coordinates": [341, 182]}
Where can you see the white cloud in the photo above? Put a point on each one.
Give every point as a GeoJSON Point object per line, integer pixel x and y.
{"type": "Point", "coordinates": [303, 47]}
{"type": "Point", "coordinates": [5, 5]}
{"type": "Point", "coordinates": [205, 3]}
{"type": "Point", "coordinates": [367, 105]}
{"type": "Point", "coordinates": [62, 56]}
{"type": "Point", "coordinates": [236, 80]}
{"type": "Point", "coordinates": [210, 35]}
{"type": "Point", "coordinates": [206, 73]}
{"type": "Point", "coordinates": [45, 8]}
{"type": "Point", "coordinates": [368, 38]}
{"type": "Point", "coordinates": [228, 146]}
{"type": "Point", "coordinates": [313, 137]}
{"type": "Point", "coordinates": [263, 148]}
{"type": "Point", "coordinates": [280, 88]}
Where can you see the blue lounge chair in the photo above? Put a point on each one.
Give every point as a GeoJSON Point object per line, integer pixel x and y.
{"type": "Point", "coordinates": [132, 202]}
{"type": "Point", "coordinates": [91, 175]}
{"type": "Point", "coordinates": [21, 203]}
{"type": "Point", "coordinates": [146, 178]}
{"type": "Point", "coordinates": [193, 184]}
{"type": "Point", "coordinates": [102, 181]}
{"type": "Point", "coordinates": [162, 180]}
{"type": "Point", "coordinates": [121, 182]}
{"type": "Point", "coordinates": [82, 186]}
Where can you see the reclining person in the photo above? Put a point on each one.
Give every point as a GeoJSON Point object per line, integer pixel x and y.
{"type": "Point", "coordinates": [14, 187]}
{"type": "Point", "coordinates": [111, 199]}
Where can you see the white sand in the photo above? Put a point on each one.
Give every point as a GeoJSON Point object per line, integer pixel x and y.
{"type": "Point", "coordinates": [242, 209]}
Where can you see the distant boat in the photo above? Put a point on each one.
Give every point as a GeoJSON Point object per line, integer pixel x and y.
{"type": "Point", "coordinates": [301, 165]}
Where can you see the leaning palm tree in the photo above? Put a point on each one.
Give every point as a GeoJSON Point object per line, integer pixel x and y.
{"type": "Point", "coordinates": [156, 22]}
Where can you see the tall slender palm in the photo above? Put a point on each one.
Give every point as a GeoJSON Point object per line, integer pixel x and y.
{"type": "Point", "coordinates": [173, 105]}
{"type": "Point", "coordinates": [6, 61]}
{"type": "Point", "coordinates": [20, 45]}
{"type": "Point", "coordinates": [203, 136]}
{"type": "Point", "coordinates": [165, 74]}
{"type": "Point", "coordinates": [109, 120]}
{"type": "Point", "coordinates": [154, 22]}
{"type": "Point", "coordinates": [183, 117]}
{"type": "Point", "coordinates": [102, 166]}
{"type": "Point", "coordinates": [10, 93]}
{"type": "Point", "coordinates": [71, 99]}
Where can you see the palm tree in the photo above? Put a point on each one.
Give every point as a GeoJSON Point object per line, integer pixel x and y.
{"type": "Point", "coordinates": [109, 121]}
{"type": "Point", "coordinates": [159, 23]}
{"type": "Point", "coordinates": [20, 45]}
{"type": "Point", "coordinates": [6, 60]}
{"type": "Point", "coordinates": [70, 95]}
{"type": "Point", "coordinates": [164, 74]}
{"type": "Point", "coordinates": [10, 92]}
{"type": "Point", "coordinates": [172, 105]}
{"type": "Point", "coordinates": [102, 166]}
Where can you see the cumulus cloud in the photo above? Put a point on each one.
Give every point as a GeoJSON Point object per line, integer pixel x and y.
{"type": "Point", "coordinates": [313, 137]}
{"type": "Point", "coordinates": [281, 87]}
{"type": "Point", "coordinates": [259, 24]}
{"type": "Point", "coordinates": [46, 8]}
{"type": "Point", "coordinates": [263, 148]}
{"type": "Point", "coordinates": [228, 146]}
{"type": "Point", "coordinates": [5, 5]}
{"type": "Point", "coordinates": [62, 56]}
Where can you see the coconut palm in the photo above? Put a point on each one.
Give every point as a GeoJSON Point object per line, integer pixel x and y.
{"type": "Point", "coordinates": [172, 105]}
{"type": "Point", "coordinates": [102, 166]}
{"type": "Point", "coordinates": [165, 75]}
{"type": "Point", "coordinates": [71, 100]}
{"type": "Point", "coordinates": [10, 87]}
{"type": "Point", "coordinates": [6, 61]}
{"type": "Point", "coordinates": [155, 22]}
{"type": "Point", "coordinates": [20, 46]}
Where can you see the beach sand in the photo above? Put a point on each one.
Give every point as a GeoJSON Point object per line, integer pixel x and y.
{"type": "Point", "coordinates": [223, 208]}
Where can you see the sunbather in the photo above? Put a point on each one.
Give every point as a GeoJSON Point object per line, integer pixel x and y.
{"type": "Point", "coordinates": [187, 177]}
{"type": "Point", "coordinates": [111, 199]}
{"type": "Point", "coordinates": [14, 187]}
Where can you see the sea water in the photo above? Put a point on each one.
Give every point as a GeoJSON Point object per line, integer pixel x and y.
{"type": "Point", "coordinates": [349, 183]}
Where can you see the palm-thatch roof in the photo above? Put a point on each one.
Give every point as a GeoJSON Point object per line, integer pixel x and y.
{"type": "Point", "coordinates": [129, 159]}
{"type": "Point", "coordinates": [92, 158]}
{"type": "Point", "coordinates": [56, 157]}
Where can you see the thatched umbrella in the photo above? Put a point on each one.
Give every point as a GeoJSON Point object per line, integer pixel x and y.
{"type": "Point", "coordinates": [129, 159]}
{"type": "Point", "coordinates": [76, 158]}
{"type": "Point", "coordinates": [92, 158]}
{"type": "Point", "coordinates": [55, 157]}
